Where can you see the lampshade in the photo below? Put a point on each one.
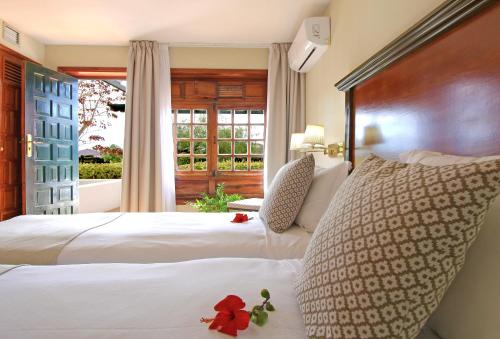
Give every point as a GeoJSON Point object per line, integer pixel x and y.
{"type": "Point", "coordinates": [296, 141]}
{"type": "Point", "coordinates": [372, 135]}
{"type": "Point", "coordinates": [315, 135]}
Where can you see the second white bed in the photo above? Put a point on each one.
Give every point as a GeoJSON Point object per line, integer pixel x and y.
{"type": "Point", "coordinates": [144, 301]}
{"type": "Point", "coordinates": [154, 237]}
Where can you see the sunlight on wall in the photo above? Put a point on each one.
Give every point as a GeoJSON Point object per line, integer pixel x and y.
{"type": "Point", "coordinates": [360, 28]}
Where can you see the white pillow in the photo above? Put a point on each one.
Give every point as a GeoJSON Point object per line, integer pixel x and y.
{"type": "Point", "coordinates": [471, 306]}
{"type": "Point", "coordinates": [325, 184]}
{"type": "Point", "coordinates": [431, 158]}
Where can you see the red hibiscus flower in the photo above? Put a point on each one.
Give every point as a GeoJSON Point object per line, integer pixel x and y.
{"type": "Point", "coordinates": [230, 317]}
{"type": "Point", "coordinates": [240, 217]}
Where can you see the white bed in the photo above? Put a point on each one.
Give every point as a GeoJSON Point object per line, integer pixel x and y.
{"type": "Point", "coordinates": [144, 301]}
{"type": "Point", "coordinates": [151, 237]}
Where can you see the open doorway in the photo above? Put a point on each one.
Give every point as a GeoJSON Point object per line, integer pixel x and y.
{"type": "Point", "coordinates": [101, 117]}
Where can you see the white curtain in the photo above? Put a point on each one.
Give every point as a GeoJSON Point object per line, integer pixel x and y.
{"type": "Point", "coordinates": [148, 180]}
{"type": "Point", "coordinates": [286, 110]}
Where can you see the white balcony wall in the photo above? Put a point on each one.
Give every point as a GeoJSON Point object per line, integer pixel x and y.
{"type": "Point", "coordinates": [100, 195]}
{"type": "Point", "coordinates": [104, 195]}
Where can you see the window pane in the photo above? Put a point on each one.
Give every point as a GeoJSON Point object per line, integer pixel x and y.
{"type": "Point", "coordinates": [240, 132]}
{"type": "Point", "coordinates": [200, 116]}
{"type": "Point", "coordinates": [183, 163]}
{"type": "Point", "coordinates": [257, 117]}
{"type": "Point", "coordinates": [224, 132]}
{"type": "Point", "coordinates": [257, 147]}
{"type": "Point", "coordinates": [256, 132]}
{"type": "Point", "coordinates": [224, 147]}
{"type": "Point", "coordinates": [224, 116]}
{"type": "Point", "coordinates": [200, 164]}
{"type": "Point", "coordinates": [241, 117]}
{"type": "Point", "coordinates": [200, 147]}
{"type": "Point", "coordinates": [240, 147]}
{"type": "Point", "coordinates": [200, 131]}
{"type": "Point", "coordinates": [183, 147]}
{"type": "Point", "coordinates": [183, 131]}
{"type": "Point", "coordinates": [224, 164]}
{"type": "Point", "coordinates": [256, 163]}
{"type": "Point", "coordinates": [241, 164]}
{"type": "Point", "coordinates": [183, 116]}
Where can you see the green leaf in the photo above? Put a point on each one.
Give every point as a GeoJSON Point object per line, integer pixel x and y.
{"type": "Point", "coordinates": [265, 294]}
{"type": "Point", "coordinates": [270, 307]}
{"type": "Point", "coordinates": [262, 318]}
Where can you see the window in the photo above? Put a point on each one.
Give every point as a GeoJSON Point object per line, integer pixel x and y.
{"type": "Point", "coordinates": [240, 140]}
{"type": "Point", "coordinates": [191, 139]}
{"type": "Point", "coordinates": [239, 146]}
{"type": "Point", "coordinates": [219, 131]}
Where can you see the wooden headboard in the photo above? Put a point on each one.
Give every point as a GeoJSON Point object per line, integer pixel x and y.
{"type": "Point", "coordinates": [435, 87]}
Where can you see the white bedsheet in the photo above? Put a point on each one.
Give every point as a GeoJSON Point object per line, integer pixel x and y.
{"type": "Point", "coordinates": [144, 301]}
{"type": "Point", "coordinates": [172, 237]}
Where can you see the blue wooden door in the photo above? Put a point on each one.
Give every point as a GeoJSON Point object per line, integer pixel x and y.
{"type": "Point", "coordinates": [51, 141]}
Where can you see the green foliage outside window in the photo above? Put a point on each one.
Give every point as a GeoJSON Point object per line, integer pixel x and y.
{"type": "Point", "coordinates": [217, 202]}
{"type": "Point", "coordinates": [100, 171]}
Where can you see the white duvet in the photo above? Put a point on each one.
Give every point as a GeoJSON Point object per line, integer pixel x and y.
{"type": "Point", "coordinates": [144, 301]}
{"type": "Point", "coordinates": [169, 237]}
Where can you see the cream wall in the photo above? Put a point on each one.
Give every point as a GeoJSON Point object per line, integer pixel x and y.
{"type": "Point", "coordinates": [85, 56]}
{"type": "Point", "coordinates": [360, 28]}
{"type": "Point", "coordinates": [180, 57]}
{"type": "Point", "coordinates": [27, 46]}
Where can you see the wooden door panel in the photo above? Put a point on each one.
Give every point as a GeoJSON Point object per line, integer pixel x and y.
{"type": "Point", "coordinates": [52, 120]}
{"type": "Point", "coordinates": [176, 90]}
{"type": "Point", "coordinates": [10, 124]}
{"type": "Point", "coordinates": [200, 89]}
{"type": "Point", "coordinates": [188, 189]}
{"type": "Point", "coordinates": [256, 90]}
{"type": "Point", "coordinates": [250, 186]}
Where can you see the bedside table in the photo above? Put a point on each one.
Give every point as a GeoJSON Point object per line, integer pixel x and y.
{"type": "Point", "coordinates": [250, 205]}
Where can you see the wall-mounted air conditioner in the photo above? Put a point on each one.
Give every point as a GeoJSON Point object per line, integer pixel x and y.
{"type": "Point", "coordinates": [311, 41]}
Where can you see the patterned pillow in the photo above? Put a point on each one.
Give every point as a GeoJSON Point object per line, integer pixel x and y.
{"type": "Point", "coordinates": [286, 194]}
{"type": "Point", "coordinates": [390, 244]}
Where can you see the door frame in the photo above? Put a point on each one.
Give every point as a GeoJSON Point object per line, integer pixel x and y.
{"type": "Point", "coordinates": [20, 58]}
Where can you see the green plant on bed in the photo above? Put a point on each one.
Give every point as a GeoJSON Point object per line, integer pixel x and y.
{"type": "Point", "coordinates": [217, 202]}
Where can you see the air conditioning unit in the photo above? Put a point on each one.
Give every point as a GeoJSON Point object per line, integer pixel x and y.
{"type": "Point", "coordinates": [311, 41]}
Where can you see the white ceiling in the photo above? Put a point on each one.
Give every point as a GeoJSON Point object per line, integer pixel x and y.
{"type": "Point", "coordinates": [115, 22]}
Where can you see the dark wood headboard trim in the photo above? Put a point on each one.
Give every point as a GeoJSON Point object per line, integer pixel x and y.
{"type": "Point", "coordinates": [446, 16]}
{"type": "Point", "coordinates": [349, 126]}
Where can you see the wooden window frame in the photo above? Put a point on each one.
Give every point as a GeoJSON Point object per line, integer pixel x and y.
{"type": "Point", "coordinates": [191, 139]}
{"type": "Point", "coordinates": [233, 138]}
{"type": "Point", "coordinates": [95, 73]}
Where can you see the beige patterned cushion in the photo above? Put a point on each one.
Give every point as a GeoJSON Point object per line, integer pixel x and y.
{"type": "Point", "coordinates": [286, 194]}
{"type": "Point", "coordinates": [389, 245]}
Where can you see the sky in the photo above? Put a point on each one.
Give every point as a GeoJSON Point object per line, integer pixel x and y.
{"type": "Point", "coordinates": [114, 134]}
